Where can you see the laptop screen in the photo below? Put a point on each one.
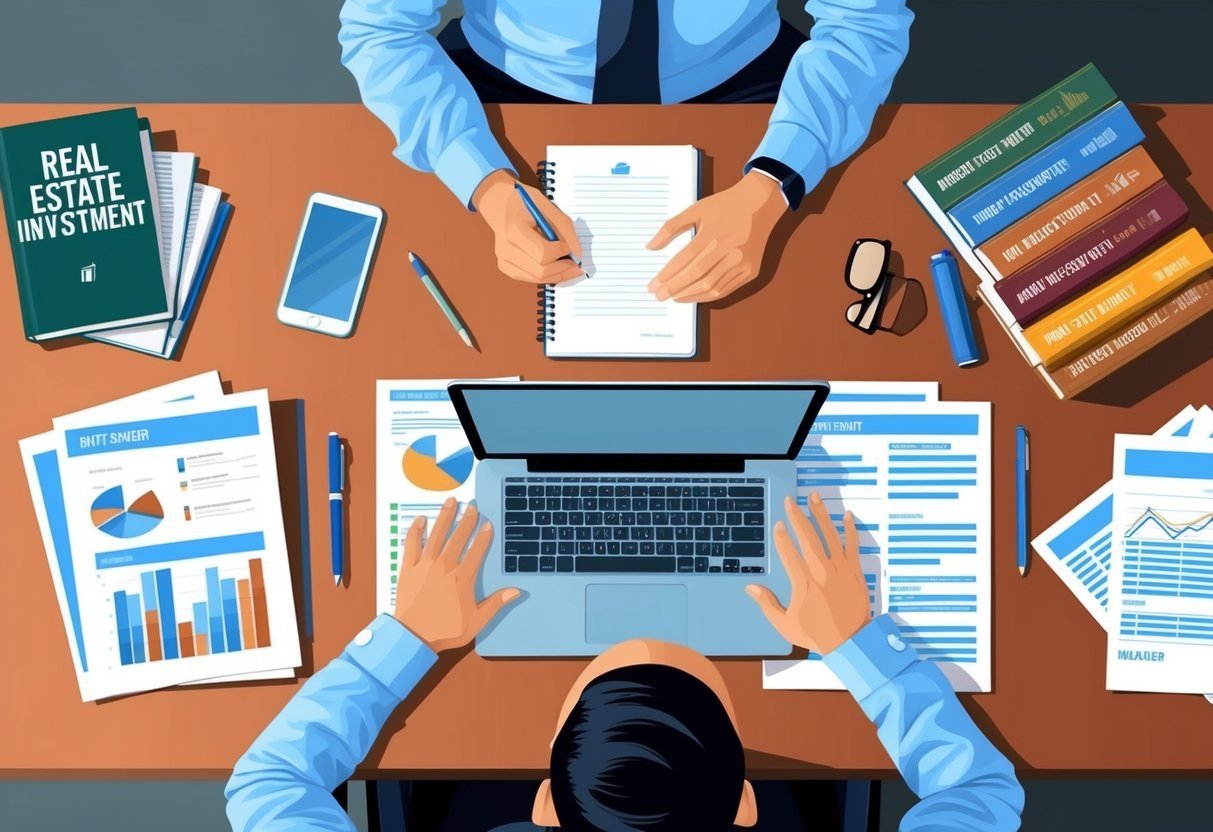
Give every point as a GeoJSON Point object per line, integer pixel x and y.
{"type": "Point", "coordinates": [750, 420]}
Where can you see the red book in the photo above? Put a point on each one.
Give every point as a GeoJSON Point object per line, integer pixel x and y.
{"type": "Point", "coordinates": [1093, 255]}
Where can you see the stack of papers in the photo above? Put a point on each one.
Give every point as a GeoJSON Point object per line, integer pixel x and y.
{"type": "Point", "coordinates": [162, 523]}
{"type": "Point", "coordinates": [189, 218]}
{"type": "Point", "coordinates": [1138, 555]}
{"type": "Point", "coordinates": [915, 472]}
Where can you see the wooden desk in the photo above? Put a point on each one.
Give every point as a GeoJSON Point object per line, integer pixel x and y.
{"type": "Point", "coordinates": [1049, 711]}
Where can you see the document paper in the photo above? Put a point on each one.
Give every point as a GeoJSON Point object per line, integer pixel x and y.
{"type": "Point", "coordinates": [917, 478]}
{"type": "Point", "coordinates": [1161, 604]}
{"type": "Point", "coordinates": [1078, 547]}
{"type": "Point", "coordinates": [618, 197]}
{"type": "Point", "coordinates": [177, 544]}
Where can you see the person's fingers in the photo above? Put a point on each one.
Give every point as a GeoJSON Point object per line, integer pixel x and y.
{"type": "Point", "coordinates": [479, 548]}
{"type": "Point", "coordinates": [561, 224]}
{"type": "Point", "coordinates": [699, 267]}
{"type": "Point", "coordinates": [414, 541]}
{"type": "Point", "coordinates": [459, 538]}
{"type": "Point", "coordinates": [534, 247]}
{"type": "Point", "coordinates": [487, 609]}
{"type": "Point", "coordinates": [789, 556]}
{"type": "Point", "coordinates": [821, 513]}
{"type": "Point", "coordinates": [769, 604]}
{"type": "Point", "coordinates": [726, 285]}
{"type": "Point", "coordinates": [442, 527]}
{"type": "Point", "coordinates": [554, 272]}
{"type": "Point", "coordinates": [679, 262]}
{"type": "Point", "coordinates": [810, 543]}
{"type": "Point", "coordinates": [851, 547]}
{"type": "Point", "coordinates": [674, 226]}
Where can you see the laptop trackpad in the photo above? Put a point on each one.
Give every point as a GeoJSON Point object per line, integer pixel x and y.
{"type": "Point", "coordinates": [618, 612]}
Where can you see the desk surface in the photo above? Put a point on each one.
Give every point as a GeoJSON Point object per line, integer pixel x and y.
{"type": "Point", "coordinates": [1049, 711]}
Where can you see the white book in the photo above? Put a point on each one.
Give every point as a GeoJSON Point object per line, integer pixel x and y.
{"type": "Point", "coordinates": [618, 197]}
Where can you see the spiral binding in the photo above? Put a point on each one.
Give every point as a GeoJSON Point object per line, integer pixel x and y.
{"type": "Point", "coordinates": [546, 322]}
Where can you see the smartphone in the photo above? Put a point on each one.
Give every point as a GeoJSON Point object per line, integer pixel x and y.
{"type": "Point", "coordinates": [329, 268]}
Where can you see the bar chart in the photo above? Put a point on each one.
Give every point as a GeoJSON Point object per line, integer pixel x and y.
{"type": "Point", "coordinates": [163, 616]}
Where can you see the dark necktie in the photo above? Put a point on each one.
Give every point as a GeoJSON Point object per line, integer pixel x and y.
{"type": "Point", "coordinates": [627, 53]}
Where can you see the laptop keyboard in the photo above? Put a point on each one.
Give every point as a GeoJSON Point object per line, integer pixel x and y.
{"type": "Point", "coordinates": [635, 525]}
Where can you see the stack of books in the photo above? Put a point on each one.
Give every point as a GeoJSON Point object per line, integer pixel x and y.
{"type": "Point", "coordinates": [111, 239]}
{"type": "Point", "coordinates": [1080, 245]}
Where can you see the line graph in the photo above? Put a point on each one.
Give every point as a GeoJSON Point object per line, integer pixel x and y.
{"type": "Point", "coordinates": [1170, 528]}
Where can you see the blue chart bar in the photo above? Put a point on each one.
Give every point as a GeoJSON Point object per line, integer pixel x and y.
{"type": "Point", "coordinates": [913, 561]}
{"type": "Point", "coordinates": [933, 482]}
{"type": "Point", "coordinates": [122, 614]}
{"type": "Point", "coordinates": [832, 482]}
{"type": "Point", "coordinates": [231, 615]}
{"type": "Point", "coordinates": [933, 527]}
{"type": "Point", "coordinates": [932, 470]}
{"type": "Point", "coordinates": [932, 457]}
{"type": "Point", "coordinates": [214, 606]}
{"type": "Point", "coordinates": [923, 495]}
{"type": "Point", "coordinates": [200, 623]}
{"type": "Point", "coordinates": [168, 616]}
{"type": "Point", "coordinates": [931, 550]}
{"type": "Point", "coordinates": [932, 538]}
{"type": "Point", "coordinates": [135, 616]}
{"type": "Point", "coordinates": [148, 580]}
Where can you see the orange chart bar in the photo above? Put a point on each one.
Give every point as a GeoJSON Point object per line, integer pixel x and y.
{"type": "Point", "coordinates": [151, 620]}
{"type": "Point", "coordinates": [185, 638]}
{"type": "Point", "coordinates": [200, 645]}
{"type": "Point", "coordinates": [261, 616]}
{"type": "Point", "coordinates": [244, 596]}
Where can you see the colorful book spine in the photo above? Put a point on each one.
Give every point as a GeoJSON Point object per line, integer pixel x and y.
{"type": "Point", "coordinates": [1135, 338]}
{"type": "Point", "coordinates": [1032, 183]}
{"type": "Point", "coordinates": [1058, 220]}
{"type": "Point", "coordinates": [1093, 254]}
{"type": "Point", "coordinates": [1016, 136]}
{"type": "Point", "coordinates": [1066, 330]}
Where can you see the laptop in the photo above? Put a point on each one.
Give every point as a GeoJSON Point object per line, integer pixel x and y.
{"type": "Point", "coordinates": [634, 510]}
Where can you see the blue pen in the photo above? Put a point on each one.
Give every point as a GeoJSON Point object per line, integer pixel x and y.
{"type": "Point", "coordinates": [336, 503]}
{"type": "Point", "coordinates": [954, 308]}
{"type": "Point", "coordinates": [1022, 464]}
{"type": "Point", "coordinates": [545, 227]}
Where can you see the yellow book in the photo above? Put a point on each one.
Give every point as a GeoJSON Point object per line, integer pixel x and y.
{"type": "Point", "coordinates": [1069, 328]}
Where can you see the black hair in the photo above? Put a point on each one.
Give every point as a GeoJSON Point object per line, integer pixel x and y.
{"type": "Point", "coordinates": [647, 748]}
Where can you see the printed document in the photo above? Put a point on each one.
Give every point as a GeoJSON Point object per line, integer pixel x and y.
{"type": "Point", "coordinates": [1161, 604]}
{"type": "Point", "coordinates": [916, 475]}
{"type": "Point", "coordinates": [177, 546]}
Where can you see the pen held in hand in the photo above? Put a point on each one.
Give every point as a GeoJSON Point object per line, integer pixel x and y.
{"type": "Point", "coordinates": [545, 227]}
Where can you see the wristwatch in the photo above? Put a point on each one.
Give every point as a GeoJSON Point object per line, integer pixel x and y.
{"type": "Point", "coordinates": [790, 182]}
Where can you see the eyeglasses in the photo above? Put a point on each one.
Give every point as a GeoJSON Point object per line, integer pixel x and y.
{"type": "Point", "coordinates": [867, 272]}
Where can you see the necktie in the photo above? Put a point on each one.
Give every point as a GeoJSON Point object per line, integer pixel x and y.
{"type": "Point", "coordinates": [627, 53]}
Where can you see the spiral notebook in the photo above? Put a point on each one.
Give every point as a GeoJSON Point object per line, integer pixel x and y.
{"type": "Point", "coordinates": [618, 197]}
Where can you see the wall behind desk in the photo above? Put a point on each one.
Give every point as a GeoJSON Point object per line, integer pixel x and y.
{"type": "Point", "coordinates": [286, 50]}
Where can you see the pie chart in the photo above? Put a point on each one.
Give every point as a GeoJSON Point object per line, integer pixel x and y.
{"type": "Point", "coordinates": [424, 469]}
{"type": "Point", "coordinates": [112, 515]}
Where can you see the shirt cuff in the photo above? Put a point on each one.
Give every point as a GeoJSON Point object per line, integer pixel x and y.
{"type": "Point", "coordinates": [871, 657]}
{"type": "Point", "coordinates": [467, 160]}
{"type": "Point", "coordinates": [772, 177]}
{"type": "Point", "coordinates": [391, 654]}
{"type": "Point", "coordinates": [795, 147]}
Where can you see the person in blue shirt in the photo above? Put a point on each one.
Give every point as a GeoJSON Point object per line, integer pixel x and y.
{"type": "Point", "coordinates": [429, 91]}
{"type": "Point", "coordinates": [647, 738]}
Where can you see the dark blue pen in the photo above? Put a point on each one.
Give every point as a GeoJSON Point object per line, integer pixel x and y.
{"type": "Point", "coordinates": [1022, 464]}
{"type": "Point", "coordinates": [545, 227]}
{"type": "Point", "coordinates": [337, 503]}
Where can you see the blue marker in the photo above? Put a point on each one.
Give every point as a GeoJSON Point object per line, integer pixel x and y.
{"type": "Point", "coordinates": [545, 227]}
{"type": "Point", "coordinates": [954, 308]}
{"type": "Point", "coordinates": [1022, 465]}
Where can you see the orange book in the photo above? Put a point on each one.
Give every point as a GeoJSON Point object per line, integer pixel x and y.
{"type": "Point", "coordinates": [1061, 218]}
{"type": "Point", "coordinates": [1125, 295]}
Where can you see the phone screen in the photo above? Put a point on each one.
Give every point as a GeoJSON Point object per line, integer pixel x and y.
{"type": "Point", "coordinates": [329, 264]}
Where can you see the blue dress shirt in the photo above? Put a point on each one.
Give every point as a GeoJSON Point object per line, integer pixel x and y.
{"type": "Point", "coordinates": [824, 111]}
{"type": "Point", "coordinates": [285, 780]}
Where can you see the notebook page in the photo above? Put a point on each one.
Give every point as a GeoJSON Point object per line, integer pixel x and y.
{"type": "Point", "coordinates": [617, 197]}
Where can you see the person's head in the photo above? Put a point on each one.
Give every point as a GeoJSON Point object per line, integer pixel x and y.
{"type": "Point", "coordinates": [647, 740]}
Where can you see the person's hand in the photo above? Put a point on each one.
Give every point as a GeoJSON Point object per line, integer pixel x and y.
{"type": "Point", "coordinates": [731, 233]}
{"type": "Point", "coordinates": [436, 590]}
{"type": "Point", "coordinates": [522, 251]}
{"type": "Point", "coordinates": [829, 595]}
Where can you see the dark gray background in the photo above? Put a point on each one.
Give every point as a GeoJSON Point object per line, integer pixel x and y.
{"type": "Point", "coordinates": [286, 50]}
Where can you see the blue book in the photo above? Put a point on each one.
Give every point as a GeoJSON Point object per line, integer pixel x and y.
{"type": "Point", "coordinates": [1039, 178]}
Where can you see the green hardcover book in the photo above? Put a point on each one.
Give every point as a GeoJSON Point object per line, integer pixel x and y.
{"type": "Point", "coordinates": [85, 245]}
{"type": "Point", "coordinates": [1015, 137]}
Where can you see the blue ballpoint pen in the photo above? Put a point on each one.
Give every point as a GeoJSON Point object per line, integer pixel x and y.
{"type": "Point", "coordinates": [337, 503]}
{"type": "Point", "coordinates": [545, 227]}
{"type": "Point", "coordinates": [1022, 464]}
